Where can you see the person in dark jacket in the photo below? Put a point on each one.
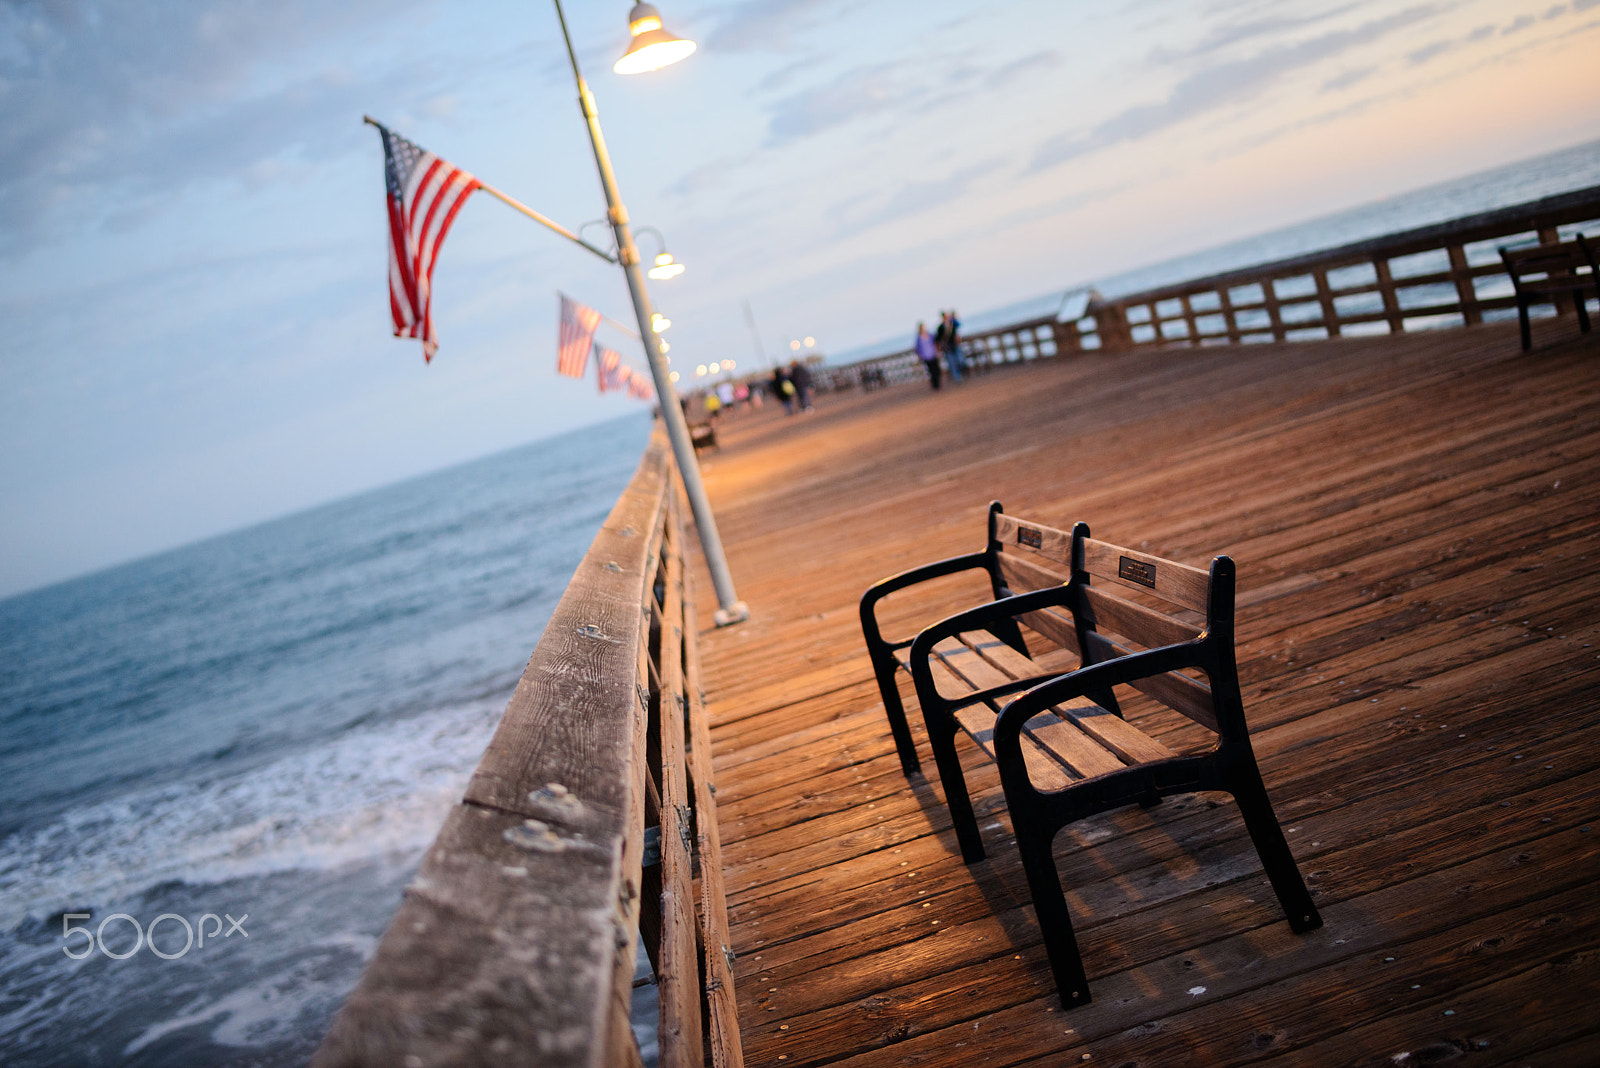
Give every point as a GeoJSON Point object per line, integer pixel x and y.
{"type": "Point", "coordinates": [783, 389]}
{"type": "Point", "coordinates": [800, 375]}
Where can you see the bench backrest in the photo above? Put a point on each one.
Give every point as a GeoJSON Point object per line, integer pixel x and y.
{"type": "Point", "coordinates": [1562, 262]}
{"type": "Point", "coordinates": [1125, 601]}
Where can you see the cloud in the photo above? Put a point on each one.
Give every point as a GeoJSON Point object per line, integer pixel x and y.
{"type": "Point", "coordinates": [1429, 51]}
{"type": "Point", "coordinates": [1518, 25]}
{"type": "Point", "coordinates": [1227, 34]}
{"type": "Point", "coordinates": [1348, 78]}
{"type": "Point", "coordinates": [1004, 75]}
{"type": "Point", "coordinates": [856, 93]}
{"type": "Point", "coordinates": [1219, 86]}
{"type": "Point", "coordinates": [117, 104]}
{"type": "Point", "coordinates": [911, 198]}
{"type": "Point", "coordinates": [764, 24]}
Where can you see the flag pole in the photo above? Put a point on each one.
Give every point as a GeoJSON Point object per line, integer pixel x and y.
{"type": "Point", "coordinates": [730, 608]}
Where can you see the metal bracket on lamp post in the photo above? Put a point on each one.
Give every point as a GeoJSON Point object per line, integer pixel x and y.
{"type": "Point", "coordinates": [730, 609]}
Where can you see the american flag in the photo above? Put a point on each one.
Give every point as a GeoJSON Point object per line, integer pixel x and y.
{"type": "Point", "coordinates": [577, 334]}
{"type": "Point", "coordinates": [639, 388]}
{"type": "Point", "coordinates": [610, 372]}
{"type": "Point", "coordinates": [425, 193]}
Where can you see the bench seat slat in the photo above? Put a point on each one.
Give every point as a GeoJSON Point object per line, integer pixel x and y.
{"type": "Point", "coordinates": [1072, 747]}
{"type": "Point", "coordinates": [1062, 740]}
{"type": "Point", "coordinates": [1115, 733]}
{"type": "Point", "coordinates": [1043, 771]}
{"type": "Point", "coordinates": [944, 680]}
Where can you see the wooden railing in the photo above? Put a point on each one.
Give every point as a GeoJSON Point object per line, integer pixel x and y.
{"type": "Point", "coordinates": [1444, 275]}
{"type": "Point", "coordinates": [588, 826]}
{"type": "Point", "coordinates": [1437, 276]}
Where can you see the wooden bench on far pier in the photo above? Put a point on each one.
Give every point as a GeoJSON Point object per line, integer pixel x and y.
{"type": "Point", "coordinates": [1117, 617]}
{"type": "Point", "coordinates": [703, 436]}
{"type": "Point", "coordinates": [1565, 270]}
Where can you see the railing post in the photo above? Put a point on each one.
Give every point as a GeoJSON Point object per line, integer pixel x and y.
{"type": "Point", "coordinates": [1466, 292]}
{"type": "Point", "coordinates": [1391, 302]}
{"type": "Point", "coordinates": [1188, 321]}
{"type": "Point", "coordinates": [1269, 297]}
{"type": "Point", "coordinates": [1330, 317]}
{"type": "Point", "coordinates": [1111, 323]}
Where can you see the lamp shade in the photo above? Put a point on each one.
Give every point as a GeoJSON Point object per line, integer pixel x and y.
{"type": "Point", "coordinates": [652, 47]}
{"type": "Point", "coordinates": [666, 267]}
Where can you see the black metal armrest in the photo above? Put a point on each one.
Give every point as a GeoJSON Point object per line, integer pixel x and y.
{"type": "Point", "coordinates": [905, 579]}
{"type": "Point", "coordinates": [981, 617]}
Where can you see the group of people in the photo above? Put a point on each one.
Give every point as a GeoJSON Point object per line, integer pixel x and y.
{"type": "Point", "coordinates": [792, 385]}
{"type": "Point", "coordinates": [942, 347]}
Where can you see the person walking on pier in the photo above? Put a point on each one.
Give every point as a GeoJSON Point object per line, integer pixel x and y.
{"type": "Point", "coordinates": [928, 353]}
{"type": "Point", "coordinates": [783, 388]}
{"type": "Point", "coordinates": [952, 345]}
{"type": "Point", "coordinates": [800, 375]}
{"type": "Point", "coordinates": [945, 344]}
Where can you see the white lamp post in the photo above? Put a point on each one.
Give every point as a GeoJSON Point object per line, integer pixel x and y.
{"type": "Point", "coordinates": [653, 48]}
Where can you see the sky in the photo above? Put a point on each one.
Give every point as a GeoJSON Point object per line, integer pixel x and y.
{"type": "Point", "coordinates": [192, 233]}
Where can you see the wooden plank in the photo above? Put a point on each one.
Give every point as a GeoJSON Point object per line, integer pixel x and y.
{"type": "Point", "coordinates": [1044, 770]}
{"type": "Point", "coordinates": [1023, 574]}
{"type": "Point", "coordinates": [945, 681]}
{"type": "Point", "coordinates": [721, 1000]}
{"type": "Point", "coordinates": [1126, 741]}
{"type": "Point", "coordinates": [1181, 584]}
{"type": "Point", "coordinates": [1024, 535]}
{"type": "Point", "coordinates": [1078, 751]}
{"type": "Point", "coordinates": [1055, 625]}
{"type": "Point", "coordinates": [1062, 740]}
{"type": "Point", "coordinates": [1144, 626]}
{"type": "Point", "coordinates": [678, 977]}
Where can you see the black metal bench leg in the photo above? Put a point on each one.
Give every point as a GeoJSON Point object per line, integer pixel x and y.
{"type": "Point", "coordinates": [884, 668]}
{"type": "Point", "coordinates": [943, 741]}
{"type": "Point", "coordinates": [1273, 849]}
{"type": "Point", "coordinates": [1522, 320]}
{"type": "Point", "coordinates": [1050, 907]}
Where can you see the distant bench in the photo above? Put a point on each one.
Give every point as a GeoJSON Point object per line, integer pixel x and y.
{"type": "Point", "coordinates": [1052, 723]}
{"type": "Point", "coordinates": [1564, 269]}
{"type": "Point", "coordinates": [703, 436]}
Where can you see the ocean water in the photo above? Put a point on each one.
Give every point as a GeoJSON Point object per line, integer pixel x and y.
{"type": "Point", "coordinates": [219, 766]}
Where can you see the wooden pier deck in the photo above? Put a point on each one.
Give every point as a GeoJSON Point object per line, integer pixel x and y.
{"type": "Point", "coordinates": [1416, 521]}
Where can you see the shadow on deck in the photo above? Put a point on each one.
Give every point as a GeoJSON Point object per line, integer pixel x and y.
{"type": "Point", "coordinates": [1417, 526]}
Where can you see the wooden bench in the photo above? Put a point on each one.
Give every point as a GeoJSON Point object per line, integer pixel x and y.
{"type": "Point", "coordinates": [703, 436]}
{"type": "Point", "coordinates": [1541, 273]}
{"type": "Point", "coordinates": [1063, 748]}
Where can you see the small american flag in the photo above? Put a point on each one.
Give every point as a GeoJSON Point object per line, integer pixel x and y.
{"type": "Point", "coordinates": [611, 373]}
{"type": "Point", "coordinates": [639, 388]}
{"type": "Point", "coordinates": [577, 334]}
{"type": "Point", "coordinates": [425, 193]}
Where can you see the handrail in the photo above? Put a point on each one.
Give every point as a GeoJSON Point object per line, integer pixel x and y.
{"type": "Point", "coordinates": [1445, 274]}
{"type": "Point", "coordinates": [581, 830]}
